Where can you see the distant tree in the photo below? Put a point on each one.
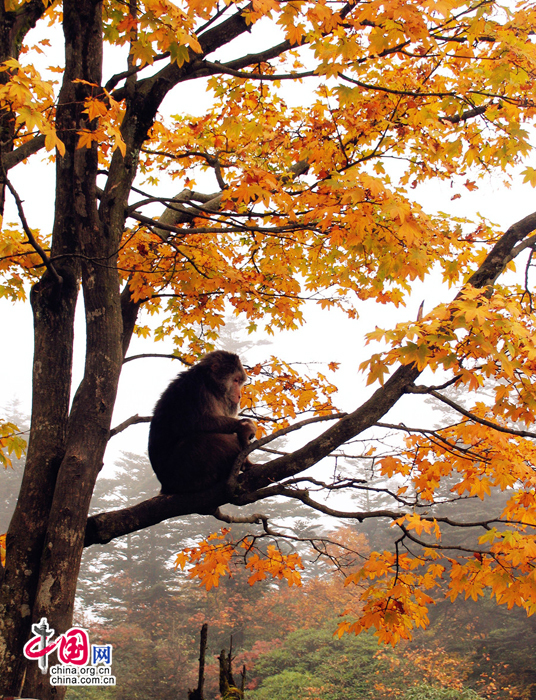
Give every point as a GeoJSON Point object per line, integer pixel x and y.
{"type": "Point", "coordinates": [10, 480]}
{"type": "Point", "coordinates": [11, 473]}
{"type": "Point", "coordinates": [114, 577]}
{"type": "Point", "coordinates": [497, 646]}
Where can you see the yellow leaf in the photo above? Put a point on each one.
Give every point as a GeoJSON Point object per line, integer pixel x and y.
{"type": "Point", "coordinates": [87, 138]}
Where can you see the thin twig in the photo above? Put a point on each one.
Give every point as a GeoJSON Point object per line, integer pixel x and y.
{"type": "Point", "coordinates": [155, 354]}
{"type": "Point", "coordinates": [255, 519]}
{"type": "Point", "coordinates": [30, 235]}
{"type": "Point", "coordinates": [289, 429]}
{"type": "Point", "coordinates": [133, 420]}
{"type": "Point", "coordinates": [482, 421]}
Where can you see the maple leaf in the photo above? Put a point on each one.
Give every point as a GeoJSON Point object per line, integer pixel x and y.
{"type": "Point", "coordinates": [11, 441]}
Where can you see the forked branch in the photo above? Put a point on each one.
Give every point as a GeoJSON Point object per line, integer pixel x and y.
{"type": "Point", "coordinates": [251, 484]}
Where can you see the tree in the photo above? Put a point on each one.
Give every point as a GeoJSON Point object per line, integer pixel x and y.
{"type": "Point", "coordinates": [305, 209]}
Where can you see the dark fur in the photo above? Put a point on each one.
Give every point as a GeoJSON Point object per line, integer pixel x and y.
{"type": "Point", "coordinates": [195, 435]}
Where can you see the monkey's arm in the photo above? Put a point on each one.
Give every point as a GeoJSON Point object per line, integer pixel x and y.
{"type": "Point", "coordinates": [223, 424]}
{"type": "Point", "coordinates": [244, 428]}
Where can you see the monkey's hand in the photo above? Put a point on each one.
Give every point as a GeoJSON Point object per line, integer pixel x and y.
{"type": "Point", "coordinates": [246, 431]}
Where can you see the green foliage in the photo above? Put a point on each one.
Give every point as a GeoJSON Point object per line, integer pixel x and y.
{"type": "Point", "coordinates": [344, 669]}
{"type": "Point", "coordinates": [287, 684]}
{"type": "Point", "coordinates": [99, 693]}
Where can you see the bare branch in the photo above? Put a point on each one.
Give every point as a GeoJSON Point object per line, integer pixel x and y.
{"type": "Point", "coordinates": [482, 421]}
{"type": "Point", "coordinates": [50, 267]}
{"type": "Point", "coordinates": [226, 70]}
{"type": "Point", "coordinates": [502, 252]}
{"type": "Point", "coordinates": [133, 420]}
{"type": "Point", "coordinates": [290, 429]}
{"type": "Point", "coordinates": [176, 214]}
{"type": "Point", "coordinates": [255, 519]}
{"type": "Point", "coordinates": [156, 354]}
{"type": "Point", "coordinates": [436, 435]}
{"type": "Point", "coordinates": [441, 547]}
{"type": "Point", "coordinates": [470, 114]}
{"type": "Point", "coordinates": [422, 389]}
{"type": "Point", "coordinates": [529, 243]}
{"type": "Point", "coordinates": [391, 91]}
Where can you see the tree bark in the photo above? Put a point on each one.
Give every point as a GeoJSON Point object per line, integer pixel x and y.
{"type": "Point", "coordinates": [197, 693]}
{"type": "Point", "coordinates": [228, 688]}
{"type": "Point", "coordinates": [64, 456]}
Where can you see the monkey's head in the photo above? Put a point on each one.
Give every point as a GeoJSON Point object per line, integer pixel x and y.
{"type": "Point", "coordinates": [226, 377]}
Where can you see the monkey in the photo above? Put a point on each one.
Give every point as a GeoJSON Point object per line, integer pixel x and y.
{"type": "Point", "coordinates": [195, 434]}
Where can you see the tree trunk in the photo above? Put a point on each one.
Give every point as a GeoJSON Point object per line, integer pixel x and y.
{"type": "Point", "coordinates": [65, 452]}
{"type": "Point", "coordinates": [66, 449]}
{"type": "Point", "coordinates": [228, 688]}
{"type": "Point", "coordinates": [197, 693]}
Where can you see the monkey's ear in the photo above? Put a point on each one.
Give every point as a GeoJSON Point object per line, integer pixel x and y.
{"type": "Point", "coordinates": [216, 364]}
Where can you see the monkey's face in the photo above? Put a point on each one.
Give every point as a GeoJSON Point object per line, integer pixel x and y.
{"type": "Point", "coordinates": [225, 380]}
{"type": "Point", "coordinates": [234, 384]}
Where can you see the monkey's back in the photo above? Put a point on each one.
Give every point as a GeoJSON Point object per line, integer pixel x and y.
{"type": "Point", "coordinates": [178, 413]}
{"type": "Point", "coordinates": [193, 440]}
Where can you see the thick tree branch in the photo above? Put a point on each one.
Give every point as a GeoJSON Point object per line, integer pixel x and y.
{"type": "Point", "coordinates": [22, 20]}
{"type": "Point", "coordinates": [175, 214]}
{"type": "Point", "coordinates": [502, 252]}
{"type": "Point", "coordinates": [470, 114]}
{"type": "Point", "coordinates": [255, 519]}
{"type": "Point", "coordinates": [12, 158]}
{"type": "Point", "coordinates": [528, 243]}
{"type": "Point", "coordinates": [158, 85]}
{"type": "Point", "coordinates": [106, 526]}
